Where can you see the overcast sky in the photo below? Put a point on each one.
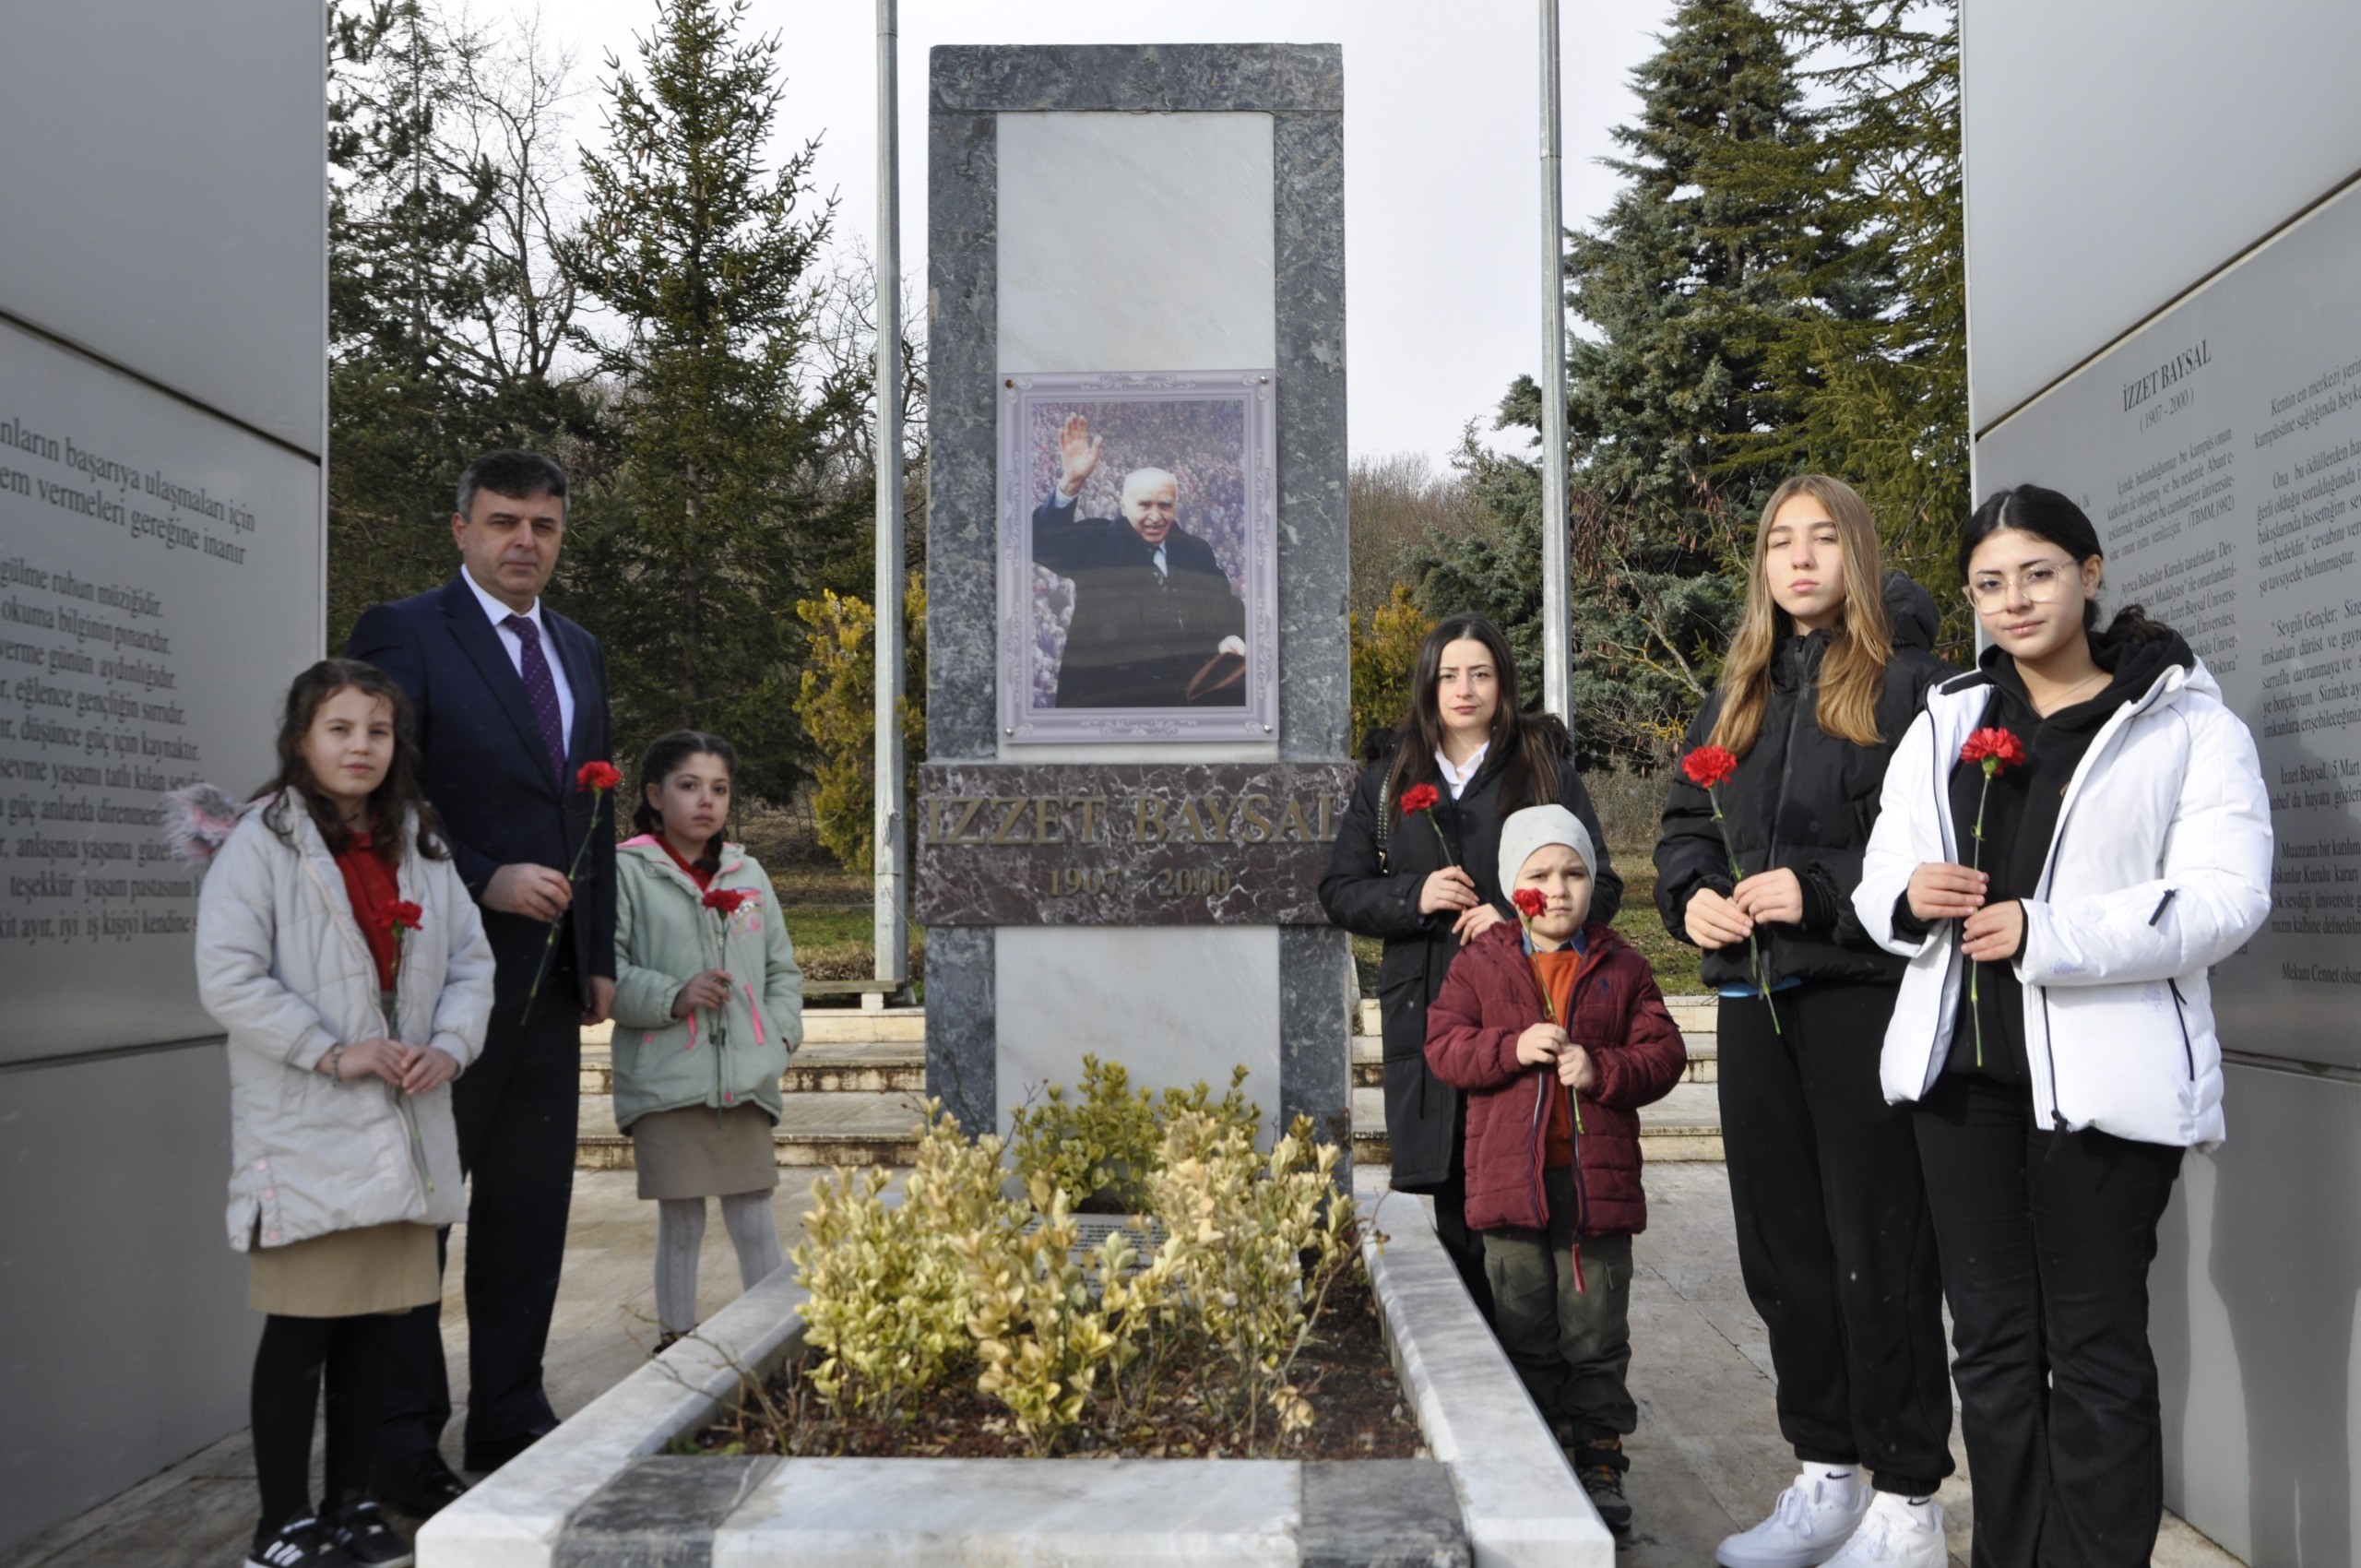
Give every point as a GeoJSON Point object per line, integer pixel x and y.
{"type": "Point", "coordinates": [1442, 152]}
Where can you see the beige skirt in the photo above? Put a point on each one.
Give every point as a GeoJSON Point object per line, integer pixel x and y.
{"type": "Point", "coordinates": [378, 1268]}
{"type": "Point", "coordinates": [690, 1154]}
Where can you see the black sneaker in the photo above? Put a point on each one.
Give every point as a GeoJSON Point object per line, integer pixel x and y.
{"type": "Point", "coordinates": [360, 1533]}
{"type": "Point", "coordinates": [300, 1543]}
{"type": "Point", "coordinates": [1600, 1465]}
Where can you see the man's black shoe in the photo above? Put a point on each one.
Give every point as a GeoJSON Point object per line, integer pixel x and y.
{"type": "Point", "coordinates": [360, 1531]}
{"type": "Point", "coordinates": [424, 1488]}
{"type": "Point", "coordinates": [299, 1543]}
{"type": "Point", "coordinates": [482, 1458]}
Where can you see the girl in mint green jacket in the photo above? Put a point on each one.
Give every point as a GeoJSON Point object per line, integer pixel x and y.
{"type": "Point", "coordinates": [708, 1007]}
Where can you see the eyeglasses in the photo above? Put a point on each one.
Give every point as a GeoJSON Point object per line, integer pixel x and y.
{"type": "Point", "coordinates": [2039, 583]}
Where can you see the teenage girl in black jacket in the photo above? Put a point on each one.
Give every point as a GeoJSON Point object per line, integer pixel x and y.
{"type": "Point", "coordinates": [1428, 882]}
{"type": "Point", "coordinates": [1827, 669]}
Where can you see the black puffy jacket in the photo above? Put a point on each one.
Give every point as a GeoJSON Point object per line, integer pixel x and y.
{"type": "Point", "coordinates": [1372, 891]}
{"type": "Point", "coordinates": [1799, 800]}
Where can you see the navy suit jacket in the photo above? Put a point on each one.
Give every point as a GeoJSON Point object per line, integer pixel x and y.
{"type": "Point", "coordinates": [487, 771]}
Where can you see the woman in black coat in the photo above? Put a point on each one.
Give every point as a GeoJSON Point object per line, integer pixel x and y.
{"type": "Point", "coordinates": [1427, 882]}
{"type": "Point", "coordinates": [1830, 665]}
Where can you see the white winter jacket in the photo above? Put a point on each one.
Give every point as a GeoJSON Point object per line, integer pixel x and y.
{"type": "Point", "coordinates": [2159, 867]}
{"type": "Point", "coordinates": [281, 965]}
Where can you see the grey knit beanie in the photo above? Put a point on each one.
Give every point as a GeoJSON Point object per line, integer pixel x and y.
{"type": "Point", "coordinates": [1529, 829]}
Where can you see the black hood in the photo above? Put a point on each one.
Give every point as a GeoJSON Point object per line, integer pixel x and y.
{"type": "Point", "coordinates": [1910, 610]}
{"type": "Point", "coordinates": [2132, 665]}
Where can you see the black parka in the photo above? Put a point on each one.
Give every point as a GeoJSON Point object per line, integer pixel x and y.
{"type": "Point", "coordinates": [1422, 1112]}
{"type": "Point", "coordinates": [1802, 799]}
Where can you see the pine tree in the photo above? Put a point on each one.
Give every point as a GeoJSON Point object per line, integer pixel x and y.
{"type": "Point", "coordinates": [1687, 289]}
{"type": "Point", "coordinates": [1882, 398]}
{"type": "Point", "coordinates": [722, 515]}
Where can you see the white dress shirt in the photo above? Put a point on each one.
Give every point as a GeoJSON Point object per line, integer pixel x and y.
{"type": "Point", "coordinates": [1458, 779]}
{"type": "Point", "coordinates": [515, 646]}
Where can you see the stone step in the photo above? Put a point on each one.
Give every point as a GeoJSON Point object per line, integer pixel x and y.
{"type": "Point", "coordinates": [1695, 1015]}
{"type": "Point", "coordinates": [869, 1127]}
{"type": "Point", "coordinates": [1369, 1059]}
{"type": "Point", "coordinates": [1684, 1127]}
{"type": "Point", "coordinates": [873, 1067]}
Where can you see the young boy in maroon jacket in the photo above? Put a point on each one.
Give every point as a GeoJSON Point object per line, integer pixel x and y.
{"type": "Point", "coordinates": [1553, 1090]}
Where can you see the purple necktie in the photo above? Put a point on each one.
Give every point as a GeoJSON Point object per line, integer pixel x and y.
{"type": "Point", "coordinates": [540, 690]}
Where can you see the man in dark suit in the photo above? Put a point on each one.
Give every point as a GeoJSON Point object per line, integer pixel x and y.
{"type": "Point", "coordinates": [511, 700]}
{"type": "Point", "coordinates": [1154, 621]}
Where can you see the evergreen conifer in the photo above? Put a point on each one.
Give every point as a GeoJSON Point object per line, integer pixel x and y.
{"type": "Point", "coordinates": [720, 516]}
{"type": "Point", "coordinates": [1686, 291]}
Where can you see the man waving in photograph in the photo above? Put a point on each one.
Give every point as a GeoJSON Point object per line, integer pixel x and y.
{"type": "Point", "coordinates": [1156, 622]}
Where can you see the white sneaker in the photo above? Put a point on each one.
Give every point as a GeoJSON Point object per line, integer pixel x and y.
{"type": "Point", "coordinates": [1810, 1524]}
{"type": "Point", "coordinates": [1897, 1533]}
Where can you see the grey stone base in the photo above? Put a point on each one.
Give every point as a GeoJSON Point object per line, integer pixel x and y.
{"type": "Point", "coordinates": [691, 1513]}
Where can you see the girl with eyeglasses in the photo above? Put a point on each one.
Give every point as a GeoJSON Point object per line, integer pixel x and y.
{"type": "Point", "coordinates": [2072, 835]}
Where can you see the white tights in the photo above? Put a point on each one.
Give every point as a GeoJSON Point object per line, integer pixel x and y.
{"type": "Point", "coordinates": [680, 1233]}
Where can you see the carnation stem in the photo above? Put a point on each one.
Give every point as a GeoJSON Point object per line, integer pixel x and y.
{"type": "Point", "coordinates": [1976, 862]}
{"type": "Point", "coordinates": [572, 872]}
{"type": "Point", "coordinates": [1753, 947]}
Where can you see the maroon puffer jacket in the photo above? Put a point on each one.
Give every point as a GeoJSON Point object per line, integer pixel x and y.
{"type": "Point", "coordinates": [1489, 999]}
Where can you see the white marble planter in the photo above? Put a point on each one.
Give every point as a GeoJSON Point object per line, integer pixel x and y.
{"type": "Point", "coordinates": [597, 1493]}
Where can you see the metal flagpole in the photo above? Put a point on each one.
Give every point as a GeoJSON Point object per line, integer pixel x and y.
{"type": "Point", "coordinates": [891, 852]}
{"type": "Point", "coordinates": [1557, 624]}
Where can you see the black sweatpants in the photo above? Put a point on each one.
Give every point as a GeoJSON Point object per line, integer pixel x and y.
{"type": "Point", "coordinates": [517, 1107]}
{"type": "Point", "coordinates": [295, 1354]}
{"type": "Point", "coordinates": [2047, 1240]}
{"type": "Point", "coordinates": [1834, 1238]}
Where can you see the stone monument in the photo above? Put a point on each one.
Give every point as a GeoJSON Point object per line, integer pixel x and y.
{"type": "Point", "coordinates": [1137, 696]}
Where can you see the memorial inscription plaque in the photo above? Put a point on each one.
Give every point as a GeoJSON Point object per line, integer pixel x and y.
{"type": "Point", "coordinates": [160, 582]}
{"type": "Point", "coordinates": [2218, 450]}
{"type": "Point", "coordinates": [1126, 843]}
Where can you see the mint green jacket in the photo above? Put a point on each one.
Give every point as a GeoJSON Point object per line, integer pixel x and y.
{"type": "Point", "coordinates": [664, 934]}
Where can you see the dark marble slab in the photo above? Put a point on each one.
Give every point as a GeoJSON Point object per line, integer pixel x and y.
{"type": "Point", "coordinates": [1315, 655]}
{"type": "Point", "coordinates": [1383, 1514]}
{"type": "Point", "coordinates": [963, 1024]}
{"type": "Point", "coordinates": [963, 433]}
{"type": "Point", "coordinates": [659, 1511]}
{"type": "Point", "coordinates": [1137, 78]}
{"type": "Point", "coordinates": [1124, 843]}
{"type": "Point", "coordinates": [1317, 996]}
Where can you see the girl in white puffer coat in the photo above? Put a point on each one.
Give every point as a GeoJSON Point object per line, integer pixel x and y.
{"type": "Point", "coordinates": [337, 947]}
{"type": "Point", "coordinates": [2070, 836]}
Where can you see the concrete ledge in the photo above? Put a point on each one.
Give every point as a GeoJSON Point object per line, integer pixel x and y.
{"type": "Point", "coordinates": [1522, 1507]}
{"type": "Point", "coordinates": [513, 1517]}
{"type": "Point", "coordinates": [1016, 1514]}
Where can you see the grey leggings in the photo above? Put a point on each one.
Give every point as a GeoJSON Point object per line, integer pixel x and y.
{"type": "Point", "coordinates": [680, 1233]}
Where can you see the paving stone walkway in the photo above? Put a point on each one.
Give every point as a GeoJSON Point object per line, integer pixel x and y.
{"type": "Point", "coordinates": [1707, 1458]}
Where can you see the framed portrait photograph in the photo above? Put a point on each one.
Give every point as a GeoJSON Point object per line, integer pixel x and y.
{"type": "Point", "coordinates": [1139, 557]}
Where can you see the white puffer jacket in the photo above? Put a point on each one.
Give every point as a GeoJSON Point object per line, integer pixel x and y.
{"type": "Point", "coordinates": [2159, 868]}
{"type": "Point", "coordinates": [281, 965]}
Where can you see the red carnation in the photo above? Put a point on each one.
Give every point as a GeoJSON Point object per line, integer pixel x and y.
{"type": "Point", "coordinates": [1709, 766]}
{"type": "Point", "coordinates": [1996, 749]}
{"type": "Point", "coordinates": [598, 776]}
{"type": "Point", "coordinates": [1991, 749]}
{"type": "Point", "coordinates": [727, 900]}
{"type": "Point", "coordinates": [1424, 797]}
{"type": "Point", "coordinates": [1530, 902]}
{"type": "Point", "coordinates": [402, 915]}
